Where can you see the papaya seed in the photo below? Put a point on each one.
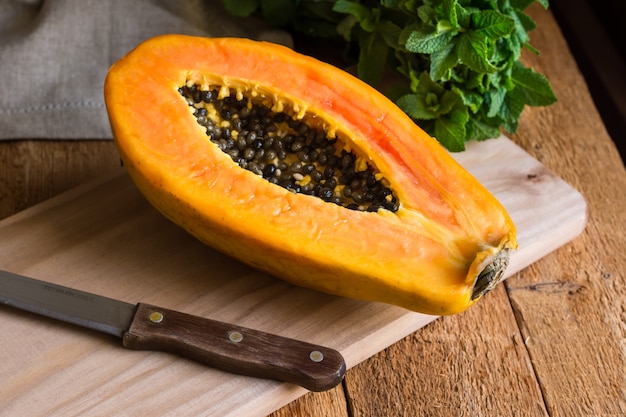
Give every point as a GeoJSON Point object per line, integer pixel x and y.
{"type": "Point", "coordinates": [282, 148]}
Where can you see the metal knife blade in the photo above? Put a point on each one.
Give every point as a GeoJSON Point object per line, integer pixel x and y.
{"type": "Point", "coordinates": [142, 326]}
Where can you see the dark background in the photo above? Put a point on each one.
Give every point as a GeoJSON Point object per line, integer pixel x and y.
{"type": "Point", "coordinates": [595, 32]}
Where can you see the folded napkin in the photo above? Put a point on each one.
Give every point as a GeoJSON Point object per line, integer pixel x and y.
{"type": "Point", "coordinates": [54, 56]}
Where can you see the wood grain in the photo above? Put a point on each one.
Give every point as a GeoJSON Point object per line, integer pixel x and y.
{"type": "Point", "coordinates": [571, 333]}
{"type": "Point", "coordinates": [33, 171]}
{"type": "Point", "coordinates": [556, 327]}
{"type": "Point", "coordinates": [104, 238]}
{"type": "Point", "coordinates": [424, 373]}
{"type": "Point", "coordinates": [251, 352]}
{"type": "Point", "coordinates": [571, 306]}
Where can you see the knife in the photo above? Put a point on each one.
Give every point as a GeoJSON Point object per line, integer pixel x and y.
{"type": "Point", "coordinates": [142, 326]}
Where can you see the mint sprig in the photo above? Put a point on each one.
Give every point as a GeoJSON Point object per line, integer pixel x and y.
{"type": "Point", "coordinates": [461, 78]}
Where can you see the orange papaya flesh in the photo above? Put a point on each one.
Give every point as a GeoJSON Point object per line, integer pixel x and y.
{"type": "Point", "coordinates": [434, 240]}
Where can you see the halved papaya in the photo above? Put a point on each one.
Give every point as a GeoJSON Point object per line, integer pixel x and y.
{"type": "Point", "coordinates": [297, 168]}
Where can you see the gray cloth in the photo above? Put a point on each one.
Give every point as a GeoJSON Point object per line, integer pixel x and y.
{"type": "Point", "coordinates": [54, 56]}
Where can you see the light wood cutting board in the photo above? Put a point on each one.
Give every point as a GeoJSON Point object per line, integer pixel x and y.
{"type": "Point", "coordinates": [106, 239]}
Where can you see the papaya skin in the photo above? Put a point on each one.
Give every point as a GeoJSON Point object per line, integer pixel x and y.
{"type": "Point", "coordinates": [426, 257]}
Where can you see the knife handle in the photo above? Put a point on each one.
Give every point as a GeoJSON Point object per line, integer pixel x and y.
{"type": "Point", "coordinates": [235, 349]}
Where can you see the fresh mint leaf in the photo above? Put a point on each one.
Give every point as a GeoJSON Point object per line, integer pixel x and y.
{"type": "Point", "coordinates": [392, 4]}
{"type": "Point", "coordinates": [472, 100]}
{"type": "Point", "coordinates": [495, 98]}
{"type": "Point", "coordinates": [427, 14]}
{"type": "Point", "coordinates": [344, 28]}
{"type": "Point", "coordinates": [450, 129]}
{"type": "Point", "coordinates": [473, 51]}
{"type": "Point", "coordinates": [510, 111]}
{"type": "Point", "coordinates": [355, 9]}
{"type": "Point", "coordinates": [372, 58]}
{"type": "Point", "coordinates": [390, 32]}
{"type": "Point", "coordinates": [415, 106]}
{"type": "Point", "coordinates": [479, 130]}
{"type": "Point", "coordinates": [427, 43]}
{"type": "Point", "coordinates": [367, 17]}
{"type": "Point", "coordinates": [424, 103]}
{"type": "Point", "coordinates": [316, 19]}
{"type": "Point", "coordinates": [525, 21]}
{"type": "Point", "coordinates": [442, 62]}
{"type": "Point", "coordinates": [432, 102]}
{"type": "Point", "coordinates": [533, 87]}
{"type": "Point", "coordinates": [457, 60]}
{"type": "Point", "coordinates": [521, 4]}
{"type": "Point", "coordinates": [463, 16]}
{"type": "Point", "coordinates": [241, 8]}
{"type": "Point", "coordinates": [449, 102]}
{"type": "Point", "coordinates": [277, 12]}
{"type": "Point", "coordinates": [449, 9]}
{"type": "Point", "coordinates": [492, 24]}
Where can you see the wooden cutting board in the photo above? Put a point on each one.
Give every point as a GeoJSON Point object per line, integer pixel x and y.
{"type": "Point", "coordinates": [104, 238]}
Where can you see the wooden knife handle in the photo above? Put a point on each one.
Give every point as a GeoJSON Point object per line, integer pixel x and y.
{"type": "Point", "coordinates": [235, 349]}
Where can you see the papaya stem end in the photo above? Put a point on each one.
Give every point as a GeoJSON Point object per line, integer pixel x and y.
{"type": "Point", "coordinates": [491, 274]}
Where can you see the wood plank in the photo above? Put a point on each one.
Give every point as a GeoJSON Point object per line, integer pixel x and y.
{"type": "Point", "coordinates": [577, 376]}
{"type": "Point", "coordinates": [55, 241]}
{"type": "Point", "coordinates": [424, 374]}
{"type": "Point", "coordinates": [106, 239]}
{"type": "Point", "coordinates": [33, 171]}
{"type": "Point", "coordinates": [570, 139]}
{"type": "Point", "coordinates": [571, 305]}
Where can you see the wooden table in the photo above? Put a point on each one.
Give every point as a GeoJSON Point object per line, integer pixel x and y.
{"type": "Point", "coordinates": [551, 340]}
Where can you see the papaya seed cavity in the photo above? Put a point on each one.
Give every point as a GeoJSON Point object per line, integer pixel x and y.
{"type": "Point", "coordinates": [288, 147]}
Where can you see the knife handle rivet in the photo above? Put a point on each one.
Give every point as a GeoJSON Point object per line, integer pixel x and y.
{"type": "Point", "coordinates": [316, 356]}
{"type": "Point", "coordinates": [156, 317]}
{"type": "Point", "coordinates": [235, 336]}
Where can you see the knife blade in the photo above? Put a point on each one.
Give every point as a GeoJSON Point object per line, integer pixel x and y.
{"type": "Point", "coordinates": [142, 326]}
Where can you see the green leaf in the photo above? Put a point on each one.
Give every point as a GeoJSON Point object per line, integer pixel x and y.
{"type": "Point", "coordinates": [442, 61]}
{"type": "Point", "coordinates": [481, 130]}
{"type": "Point", "coordinates": [278, 12]}
{"type": "Point", "coordinates": [391, 4]}
{"type": "Point", "coordinates": [355, 9]}
{"type": "Point", "coordinates": [450, 102]}
{"type": "Point", "coordinates": [390, 32]}
{"type": "Point", "coordinates": [367, 17]}
{"type": "Point", "coordinates": [458, 60]}
{"type": "Point", "coordinates": [316, 19]}
{"type": "Point", "coordinates": [344, 28]}
{"type": "Point", "coordinates": [424, 104]}
{"type": "Point", "coordinates": [414, 106]}
{"type": "Point", "coordinates": [241, 8]}
{"type": "Point", "coordinates": [510, 111]}
{"type": "Point", "coordinates": [463, 16]}
{"type": "Point", "coordinates": [495, 99]}
{"type": "Point", "coordinates": [526, 22]}
{"type": "Point", "coordinates": [521, 4]}
{"type": "Point", "coordinates": [427, 43]}
{"type": "Point", "coordinates": [473, 51]}
{"type": "Point", "coordinates": [531, 86]}
{"type": "Point", "coordinates": [492, 24]}
{"type": "Point", "coordinates": [432, 102]}
{"type": "Point", "coordinates": [449, 8]}
{"type": "Point", "coordinates": [372, 57]}
{"type": "Point", "coordinates": [520, 30]}
{"type": "Point", "coordinates": [450, 130]}
{"type": "Point", "coordinates": [426, 14]}
{"type": "Point", "coordinates": [471, 99]}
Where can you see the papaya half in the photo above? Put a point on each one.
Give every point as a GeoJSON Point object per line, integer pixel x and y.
{"type": "Point", "coordinates": [299, 169]}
